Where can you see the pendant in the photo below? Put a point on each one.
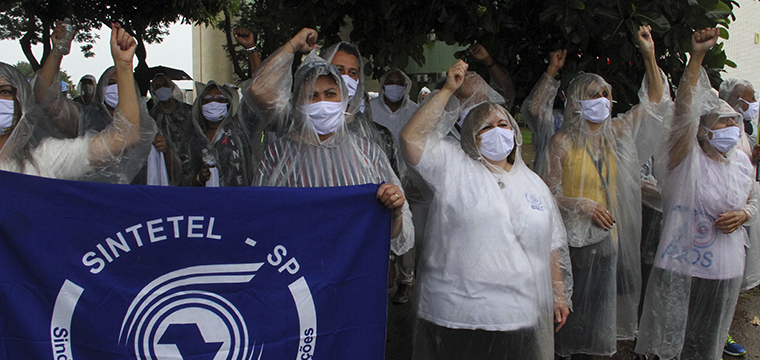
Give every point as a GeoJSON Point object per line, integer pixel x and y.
{"type": "Point", "coordinates": [501, 184]}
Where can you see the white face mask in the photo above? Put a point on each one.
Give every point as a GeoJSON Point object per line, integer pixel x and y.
{"type": "Point", "coordinates": [326, 116]}
{"type": "Point", "coordinates": [725, 139]}
{"type": "Point", "coordinates": [88, 89]}
{"type": "Point", "coordinates": [214, 111]}
{"type": "Point", "coordinates": [6, 116]}
{"type": "Point", "coordinates": [394, 93]}
{"type": "Point", "coordinates": [164, 94]}
{"type": "Point", "coordinates": [596, 110]}
{"type": "Point", "coordinates": [351, 84]}
{"type": "Point", "coordinates": [496, 144]}
{"type": "Point", "coordinates": [751, 111]}
{"type": "Point", "coordinates": [112, 95]}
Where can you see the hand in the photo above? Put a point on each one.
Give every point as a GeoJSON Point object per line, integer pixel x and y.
{"type": "Point", "coordinates": [703, 40]}
{"type": "Point", "coordinates": [122, 46]}
{"type": "Point", "coordinates": [556, 61]}
{"type": "Point", "coordinates": [644, 38]}
{"type": "Point", "coordinates": [304, 41]}
{"type": "Point", "coordinates": [730, 221]}
{"type": "Point", "coordinates": [603, 217]}
{"type": "Point", "coordinates": [479, 53]}
{"type": "Point", "coordinates": [756, 154]}
{"type": "Point", "coordinates": [455, 76]}
{"type": "Point", "coordinates": [392, 197]}
{"type": "Point", "coordinates": [204, 174]}
{"type": "Point", "coordinates": [160, 143]}
{"type": "Point", "coordinates": [58, 35]}
{"type": "Point", "coordinates": [561, 312]}
{"type": "Point", "coordinates": [245, 37]}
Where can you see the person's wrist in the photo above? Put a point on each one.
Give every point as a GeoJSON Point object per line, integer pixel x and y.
{"type": "Point", "coordinates": [252, 49]}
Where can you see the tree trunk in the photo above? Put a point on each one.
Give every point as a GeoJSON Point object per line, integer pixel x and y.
{"type": "Point", "coordinates": [26, 44]}
{"type": "Point", "coordinates": [231, 46]}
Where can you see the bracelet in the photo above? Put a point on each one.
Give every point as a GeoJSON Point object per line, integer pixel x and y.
{"type": "Point", "coordinates": [291, 45]}
{"type": "Point", "coordinates": [492, 64]}
{"type": "Point", "coordinates": [252, 50]}
{"type": "Point", "coordinates": [399, 216]}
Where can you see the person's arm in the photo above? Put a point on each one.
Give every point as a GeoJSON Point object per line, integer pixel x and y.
{"type": "Point", "coordinates": [246, 39]}
{"type": "Point", "coordinates": [500, 79]}
{"type": "Point", "coordinates": [646, 47]}
{"type": "Point", "coordinates": [120, 134]}
{"type": "Point", "coordinates": [63, 113]}
{"type": "Point", "coordinates": [537, 107]}
{"type": "Point", "coordinates": [415, 132]}
{"type": "Point", "coordinates": [701, 42]}
{"type": "Point", "coordinates": [561, 308]}
{"type": "Point", "coordinates": [269, 89]}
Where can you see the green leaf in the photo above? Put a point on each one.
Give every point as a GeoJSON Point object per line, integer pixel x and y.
{"type": "Point", "coordinates": [576, 4]}
{"type": "Point", "coordinates": [723, 33]}
{"type": "Point", "coordinates": [658, 22]}
{"type": "Point", "coordinates": [730, 64]}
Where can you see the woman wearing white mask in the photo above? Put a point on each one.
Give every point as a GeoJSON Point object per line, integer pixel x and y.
{"type": "Point", "coordinates": [592, 165]}
{"type": "Point", "coordinates": [32, 145]}
{"type": "Point", "coordinates": [218, 149]}
{"type": "Point", "coordinates": [75, 119]}
{"type": "Point", "coordinates": [494, 273]}
{"type": "Point", "coordinates": [319, 150]}
{"type": "Point", "coordinates": [708, 194]}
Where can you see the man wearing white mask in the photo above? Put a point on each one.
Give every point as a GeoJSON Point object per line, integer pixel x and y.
{"type": "Point", "coordinates": [740, 94]}
{"type": "Point", "coordinates": [219, 146]}
{"type": "Point", "coordinates": [392, 109]}
{"type": "Point", "coordinates": [174, 120]}
{"type": "Point", "coordinates": [86, 89]}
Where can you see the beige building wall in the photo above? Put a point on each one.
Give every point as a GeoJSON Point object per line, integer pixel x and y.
{"type": "Point", "coordinates": [743, 44]}
{"type": "Point", "coordinates": [210, 61]}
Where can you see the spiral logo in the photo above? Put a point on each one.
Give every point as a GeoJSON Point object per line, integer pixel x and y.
{"type": "Point", "coordinates": [171, 319]}
{"type": "Point", "coordinates": [704, 230]}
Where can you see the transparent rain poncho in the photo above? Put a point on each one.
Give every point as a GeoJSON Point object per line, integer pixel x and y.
{"type": "Point", "coordinates": [38, 147]}
{"type": "Point", "coordinates": [115, 164]}
{"type": "Point", "coordinates": [383, 115]}
{"type": "Point", "coordinates": [174, 123]}
{"type": "Point", "coordinates": [495, 255]}
{"type": "Point", "coordinates": [694, 287]}
{"type": "Point", "coordinates": [299, 158]}
{"type": "Point", "coordinates": [731, 90]}
{"type": "Point", "coordinates": [80, 88]}
{"type": "Point", "coordinates": [541, 117]}
{"type": "Point", "coordinates": [584, 168]}
{"type": "Point", "coordinates": [473, 92]}
{"type": "Point", "coordinates": [229, 149]}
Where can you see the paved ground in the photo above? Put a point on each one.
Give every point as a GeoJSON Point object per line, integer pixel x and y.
{"type": "Point", "coordinates": [401, 319]}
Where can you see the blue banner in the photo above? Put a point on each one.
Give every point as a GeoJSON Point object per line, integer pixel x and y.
{"type": "Point", "coordinates": [98, 271]}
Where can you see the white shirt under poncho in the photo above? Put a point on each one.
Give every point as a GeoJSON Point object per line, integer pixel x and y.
{"type": "Point", "coordinates": [66, 159]}
{"type": "Point", "coordinates": [720, 187]}
{"type": "Point", "coordinates": [485, 261]}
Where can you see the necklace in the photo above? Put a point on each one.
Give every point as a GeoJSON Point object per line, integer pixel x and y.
{"type": "Point", "coordinates": [501, 184]}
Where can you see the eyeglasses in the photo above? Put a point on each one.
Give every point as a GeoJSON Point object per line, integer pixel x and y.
{"type": "Point", "coordinates": [218, 98]}
{"type": "Point", "coordinates": [726, 118]}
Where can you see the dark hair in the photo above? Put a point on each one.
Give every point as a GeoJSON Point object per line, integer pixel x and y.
{"type": "Point", "coordinates": [351, 49]}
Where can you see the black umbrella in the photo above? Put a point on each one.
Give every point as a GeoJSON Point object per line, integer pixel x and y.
{"type": "Point", "coordinates": [144, 76]}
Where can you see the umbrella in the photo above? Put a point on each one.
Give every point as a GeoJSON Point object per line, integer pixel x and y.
{"type": "Point", "coordinates": [144, 75]}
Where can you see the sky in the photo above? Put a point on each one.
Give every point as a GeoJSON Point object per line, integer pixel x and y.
{"type": "Point", "coordinates": [175, 51]}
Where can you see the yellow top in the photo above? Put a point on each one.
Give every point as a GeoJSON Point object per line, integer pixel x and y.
{"type": "Point", "coordinates": [581, 179]}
